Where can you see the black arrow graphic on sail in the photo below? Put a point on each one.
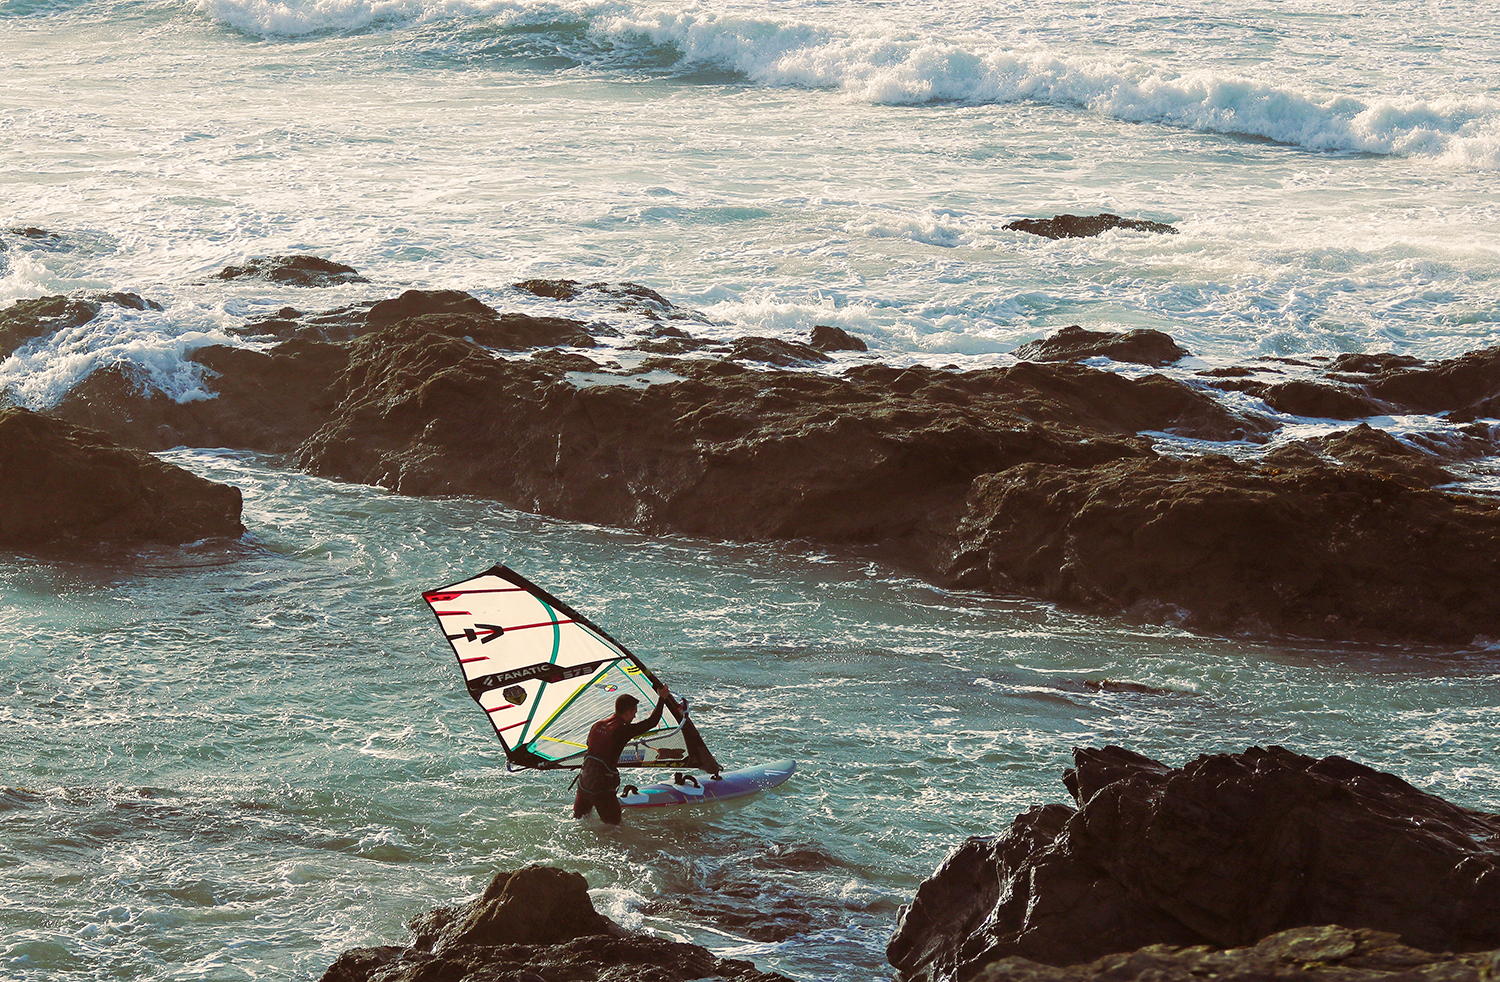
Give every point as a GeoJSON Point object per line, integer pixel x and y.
{"type": "Point", "coordinates": [491, 632]}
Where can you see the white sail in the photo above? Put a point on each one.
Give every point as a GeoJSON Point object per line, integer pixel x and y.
{"type": "Point", "coordinates": [544, 674]}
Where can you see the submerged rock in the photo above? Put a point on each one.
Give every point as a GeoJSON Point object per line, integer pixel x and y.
{"type": "Point", "coordinates": [535, 923]}
{"type": "Point", "coordinates": [63, 485]}
{"type": "Point", "coordinates": [1223, 852]}
{"type": "Point", "coordinates": [26, 320]}
{"type": "Point", "coordinates": [1074, 343]}
{"type": "Point", "coordinates": [1327, 953]}
{"type": "Point", "coordinates": [1084, 226]}
{"type": "Point", "coordinates": [293, 271]}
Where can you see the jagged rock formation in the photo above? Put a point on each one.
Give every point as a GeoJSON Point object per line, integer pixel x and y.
{"type": "Point", "coordinates": [1041, 478]}
{"type": "Point", "coordinates": [64, 486]}
{"type": "Point", "coordinates": [1222, 852]}
{"type": "Point", "coordinates": [1310, 548]}
{"type": "Point", "coordinates": [535, 923]}
{"type": "Point", "coordinates": [826, 337]}
{"type": "Point", "coordinates": [1357, 386]}
{"type": "Point", "coordinates": [1085, 226]}
{"type": "Point", "coordinates": [293, 271]}
{"type": "Point", "coordinates": [26, 320]}
{"type": "Point", "coordinates": [1074, 343]}
{"type": "Point", "coordinates": [1312, 954]}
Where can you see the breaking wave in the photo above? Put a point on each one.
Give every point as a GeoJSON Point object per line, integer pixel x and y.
{"type": "Point", "coordinates": [898, 66]}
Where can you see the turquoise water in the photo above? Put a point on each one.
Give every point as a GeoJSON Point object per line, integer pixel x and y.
{"type": "Point", "coordinates": [235, 761]}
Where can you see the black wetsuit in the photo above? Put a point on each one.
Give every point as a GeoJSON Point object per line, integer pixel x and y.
{"type": "Point", "coordinates": [601, 775]}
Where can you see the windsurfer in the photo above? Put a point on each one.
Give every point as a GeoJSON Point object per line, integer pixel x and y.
{"type": "Point", "coordinates": [608, 738]}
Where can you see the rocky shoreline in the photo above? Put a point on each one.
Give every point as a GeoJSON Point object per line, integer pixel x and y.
{"type": "Point", "coordinates": [1052, 478]}
{"type": "Point", "coordinates": [1259, 865]}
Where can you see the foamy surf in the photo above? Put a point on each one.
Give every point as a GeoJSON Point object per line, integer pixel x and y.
{"type": "Point", "coordinates": [894, 64]}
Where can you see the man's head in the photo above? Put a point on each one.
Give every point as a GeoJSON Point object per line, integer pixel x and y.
{"type": "Point", "coordinates": [625, 705]}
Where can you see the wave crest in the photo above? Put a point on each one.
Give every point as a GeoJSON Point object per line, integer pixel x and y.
{"type": "Point", "coordinates": [887, 64]}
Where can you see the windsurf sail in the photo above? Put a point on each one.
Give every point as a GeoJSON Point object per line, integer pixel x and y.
{"type": "Point", "coordinates": [544, 674]}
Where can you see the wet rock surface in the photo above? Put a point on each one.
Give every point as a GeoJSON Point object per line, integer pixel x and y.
{"type": "Point", "coordinates": [536, 923]}
{"type": "Point", "coordinates": [1223, 852]}
{"type": "Point", "coordinates": [1311, 954]}
{"type": "Point", "coordinates": [1045, 478]}
{"type": "Point", "coordinates": [293, 271]}
{"type": "Point", "coordinates": [826, 337]}
{"type": "Point", "coordinates": [1075, 343]}
{"type": "Point", "coordinates": [68, 487]}
{"type": "Point", "coordinates": [876, 456]}
{"type": "Point", "coordinates": [1085, 226]}
{"type": "Point", "coordinates": [1312, 549]}
{"type": "Point", "coordinates": [26, 320]}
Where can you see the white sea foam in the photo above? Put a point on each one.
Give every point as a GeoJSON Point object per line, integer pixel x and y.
{"type": "Point", "coordinates": [151, 344]}
{"type": "Point", "coordinates": [889, 63]}
{"type": "Point", "coordinates": [1461, 131]}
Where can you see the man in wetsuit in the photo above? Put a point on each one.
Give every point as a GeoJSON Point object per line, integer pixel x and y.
{"type": "Point", "coordinates": [607, 740]}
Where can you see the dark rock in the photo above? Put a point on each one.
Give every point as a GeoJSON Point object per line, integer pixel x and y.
{"type": "Point", "coordinates": [1371, 364]}
{"type": "Point", "coordinates": [293, 271]}
{"type": "Point", "coordinates": [552, 289]}
{"type": "Point", "coordinates": [1223, 852]}
{"type": "Point", "coordinates": [537, 923]}
{"type": "Point", "coordinates": [1084, 226]}
{"type": "Point", "coordinates": [1368, 449]}
{"type": "Point", "coordinates": [826, 337]}
{"type": "Point", "coordinates": [1308, 549]}
{"type": "Point", "coordinates": [63, 485]}
{"type": "Point", "coordinates": [1327, 953]}
{"type": "Point", "coordinates": [1074, 343]}
{"type": "Point", "coordinates": [416, 303]}
{"type": "Point", "coordinates": [629, 297]}
{"type": "Point", "coordinates": [1457, 383]}
{"type": "Point", "coordinates": [640, 299]}
{"type": "Point", "coordinates": [880, 456]}
{"type": "Point", "coordinates": [1321, 400]}
{"type": "Point", "coordinates": [666, 339]}
{"type": "Point", "coordinates": [358, 964]}
{"type": "Point", "coordinates": [1230, 371]}
{"type": "Point", "coordinates": [267, 401]}
{"type": "Point", "coordinates": [538, 905]}
{"type": "Point", "coordinates": [32, 232]}
{"type": "Point", "coordinates": [775, 351]}
{"type": "Point", "coordinates": [26, 320]}
{"type": "Point", "coordinates": [454, 313]}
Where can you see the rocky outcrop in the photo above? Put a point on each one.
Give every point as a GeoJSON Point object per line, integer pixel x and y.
{"type": "Point", "coordinates": [26, 320]}
{"type": "Point", "coordinates": [1358, 386]}
{"type": "Point", "coordinates": [1084, 226]}
{"type": "Point", "coordinates": [630, 298]}
{"type": "Point", "coordinates": [1328, 953]}
{"type": "Point", "coordinates": [1043, 478]}
{"type": "Point", "coordinates": [1309, 549]}
{"type": "Point", "coordinates": [877, 456]}
{"type": "Point", "coordinates": [826, 337]}
{"type": "Point", "coordinates": [268, 401]}
{"type": "Point", "coordinates": [1074, 343]}
{"type": "Point", "coordinates": [535, 923]}
{"type": "Point", "coordinates": [65, 486]}
{"type": "Point", "coordinates": [1223, 852]}
{"type": "Point", "coordinates": [273, 400]}
{"type": "Point", "coordinates": [776, 351]}
{"type": "Point", "coordinates": [293, 271]}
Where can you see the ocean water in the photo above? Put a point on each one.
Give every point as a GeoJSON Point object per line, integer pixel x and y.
{"type": "Point", "coordinates": [232, 761]}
